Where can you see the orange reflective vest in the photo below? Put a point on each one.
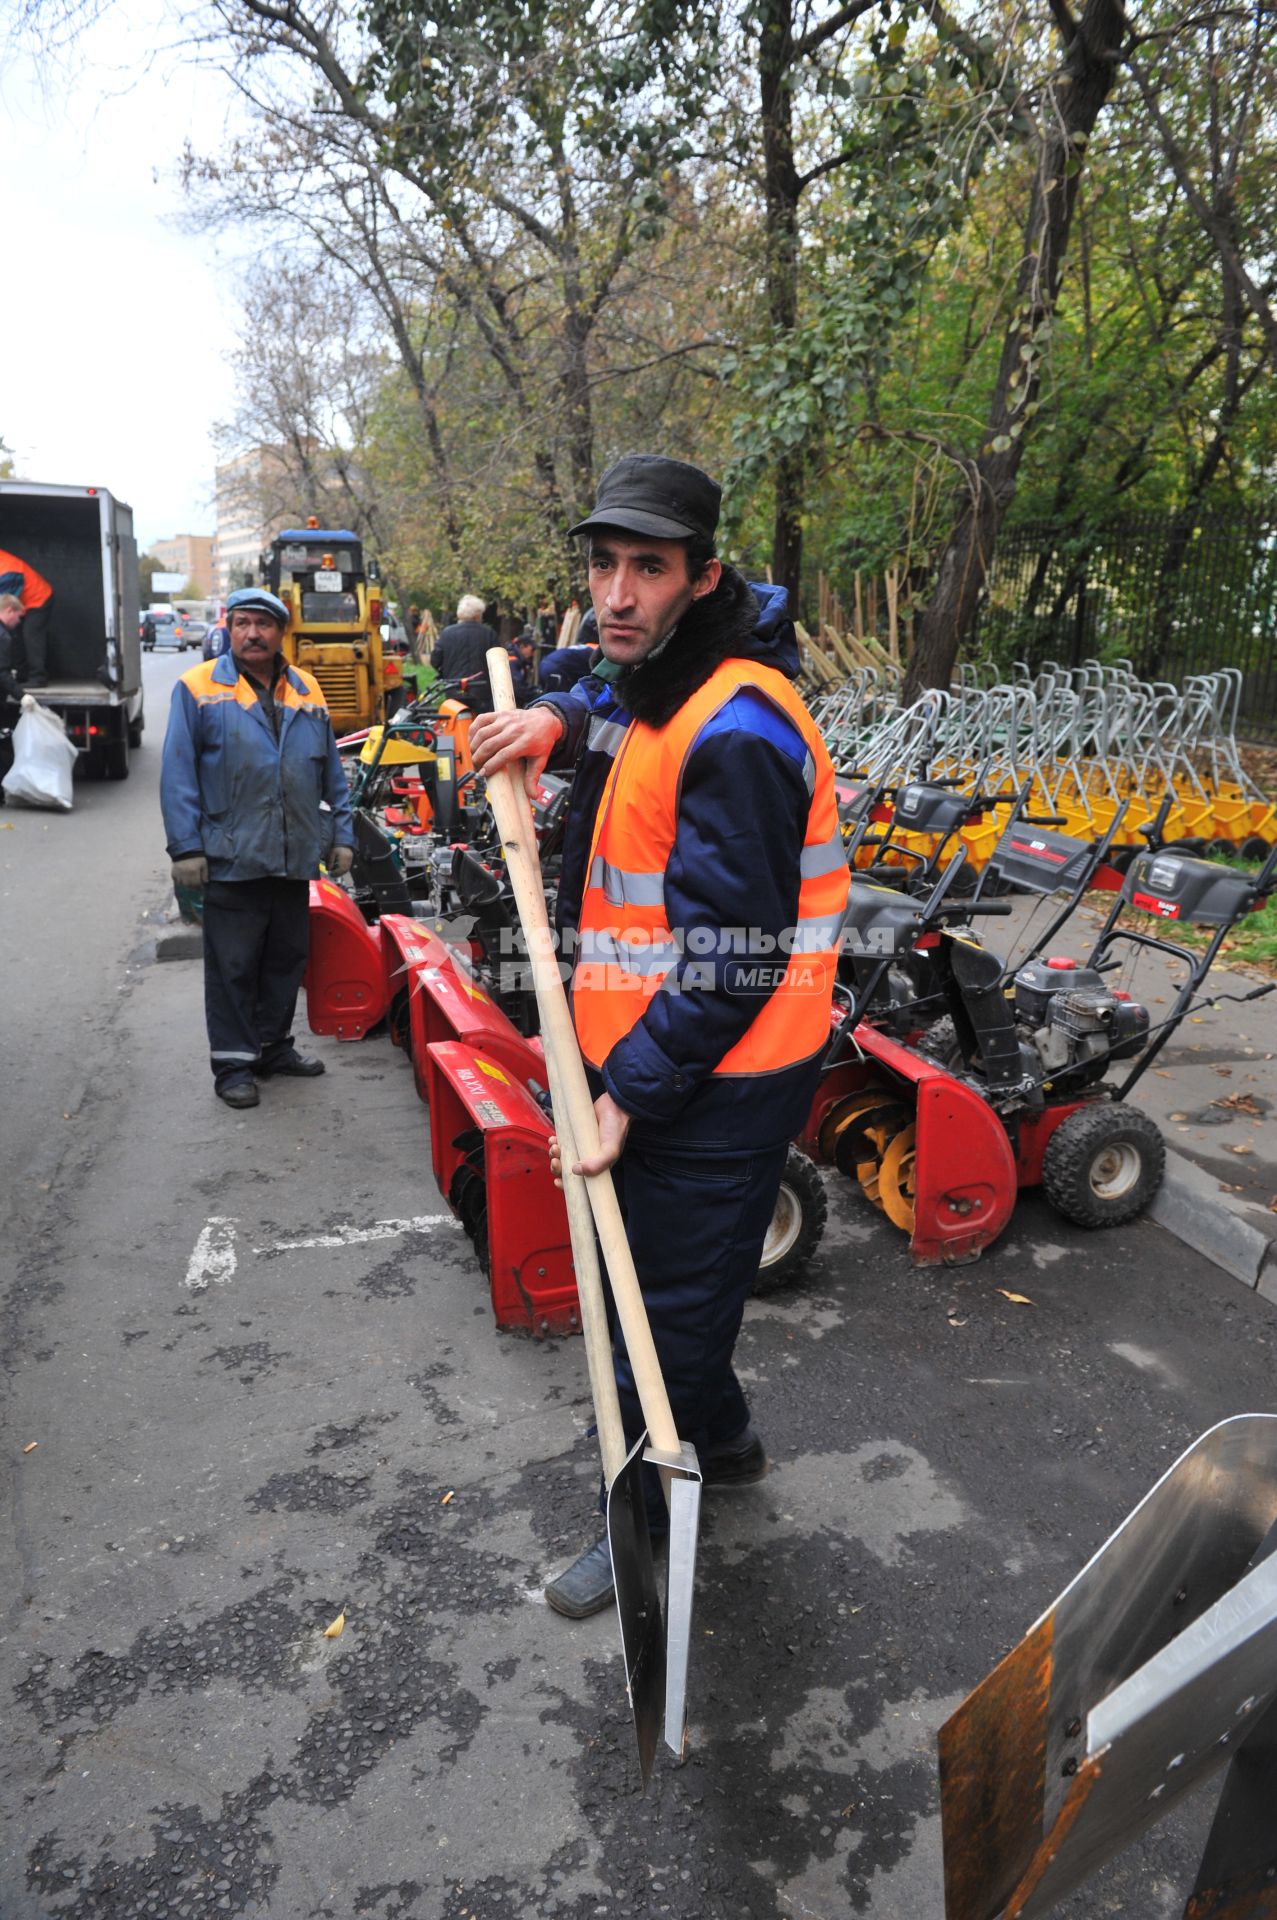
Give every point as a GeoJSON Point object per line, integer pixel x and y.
{"type": "Point", "coordinates": [627, 946]}
{"type": "Point", "coordinates": [35, 588]}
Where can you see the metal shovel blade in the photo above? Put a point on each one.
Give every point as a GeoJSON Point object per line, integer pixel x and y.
{"type": "Point", "coordinates": [682, 1475]}
{"type": "Point", "coordinates": [638, 1604]}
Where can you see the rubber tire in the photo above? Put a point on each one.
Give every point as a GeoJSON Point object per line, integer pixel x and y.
{"type": "Point", "coordinates": [1075, 1146]}
{"type": "Point", "coordinates": [965, 882]}
{"type": "Point", "coordinates": [1254, 847]}
{"type": "Point", "coordinates": [115, 758]}
{"type": "Point", "coordinates": [1222, 849]}
{"type": "Point", "coordinates": [940, 1043]}
{"type": "Point", "coordinates": [803, 1191]}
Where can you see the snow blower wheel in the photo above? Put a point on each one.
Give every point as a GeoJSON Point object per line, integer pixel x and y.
{"type": "Point", "coordinates": [797, 1225]}
{"type": "Point", "coordinates": [1103, 1165]}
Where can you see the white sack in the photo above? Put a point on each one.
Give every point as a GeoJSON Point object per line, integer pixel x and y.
{"type": "Point", "coordinates": [42, 760]}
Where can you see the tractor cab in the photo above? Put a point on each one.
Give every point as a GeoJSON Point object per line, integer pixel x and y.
{"type": "Point", "coordinates": [335, 629]}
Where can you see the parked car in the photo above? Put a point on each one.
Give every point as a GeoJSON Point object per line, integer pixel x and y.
{"type": "Point", "coordinates": [169, 629]}
{"type": "Point", "coordinates": [196, 631]}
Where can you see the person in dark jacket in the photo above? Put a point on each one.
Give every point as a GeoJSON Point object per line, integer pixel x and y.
{"type": "Point", "coordinates": [522, 655]}
{"type": "Point", "coordinates": [10, 623]}
{"type": "Point", "coordinates": [705, 842]}
{"type": "Point", "coordinates": [254, 798]}
{"type": "Point", "coordinates": [460, 653]}
{"type": "Point", "coordinates": [562, 667]}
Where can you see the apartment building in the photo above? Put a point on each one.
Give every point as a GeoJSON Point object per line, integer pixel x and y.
{"type": "Point", "coordinates": [191, 556]}
{"type": "Point", "coordinates": [255, 501]}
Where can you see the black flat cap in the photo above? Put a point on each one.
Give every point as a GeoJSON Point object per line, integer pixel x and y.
{"type": "Point", "coordinates": [645, 493]}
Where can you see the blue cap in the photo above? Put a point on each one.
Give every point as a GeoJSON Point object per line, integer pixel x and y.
{"type": "Point", "coordinates": [259, 598]}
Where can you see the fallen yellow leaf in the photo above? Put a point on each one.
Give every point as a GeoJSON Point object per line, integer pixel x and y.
{"type": "Point", "coordinates": [1240, 1146]}
{"type": "Point", "coordinates": [336, 1627]}
{"type": "Point", "coordinates": [1020, 1299]}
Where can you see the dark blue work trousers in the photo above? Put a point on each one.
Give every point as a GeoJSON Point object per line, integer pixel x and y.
{"type": "Point", "coordinates": [256, 938]}
{"type": "Point", "coordinates": [696, 1223]}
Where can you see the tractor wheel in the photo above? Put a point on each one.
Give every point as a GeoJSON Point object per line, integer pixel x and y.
{"type": "Point", "coordinates": [1103, 1165]}
{"type": "Point", "coordinates": [797, 1225]}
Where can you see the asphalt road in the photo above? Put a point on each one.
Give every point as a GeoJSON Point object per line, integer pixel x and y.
{"type": "Point", "coordinates": [248, 1413]}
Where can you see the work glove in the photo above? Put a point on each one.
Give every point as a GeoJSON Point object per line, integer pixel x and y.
{"type": "Point", "coordinates": [340, 861]}
{"type": "Point", "coordinates": [191, 871]}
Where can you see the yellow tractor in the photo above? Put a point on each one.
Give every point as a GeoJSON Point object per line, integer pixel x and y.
{"type": "Point", "coordinates": [335, 629]}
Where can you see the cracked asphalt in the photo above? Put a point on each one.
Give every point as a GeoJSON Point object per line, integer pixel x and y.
{"type": "Point", "coordinates": [220, 1470]}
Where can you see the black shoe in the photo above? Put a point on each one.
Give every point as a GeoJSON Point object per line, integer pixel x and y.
{"type": "Point", "coordinates": [586, 1587]}
{"type": "Point", "coordinates": [239, 1093]}
{"type": "Point", "coordinates": [292, 1065]}
{"type": "Point", "coordinates": [738, 1465]}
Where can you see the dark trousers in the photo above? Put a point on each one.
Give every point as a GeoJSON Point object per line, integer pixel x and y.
{"type": "Point", "coordinates": [34, 633]}
{"type": "Point", "coordinates": [256, 938]}
{"type": "Point", "coordinates": [696, 1225]}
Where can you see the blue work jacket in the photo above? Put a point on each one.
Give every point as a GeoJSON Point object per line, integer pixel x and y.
{"type": "Point", "coordinates": [255, 805]}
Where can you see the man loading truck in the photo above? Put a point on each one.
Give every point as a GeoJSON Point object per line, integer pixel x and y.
{"type": "Point", "coordinates": [18, 577]}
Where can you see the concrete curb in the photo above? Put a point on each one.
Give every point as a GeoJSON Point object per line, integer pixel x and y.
{"type": "Point", "coordinates": [1190, 1205]}
{"type": "Point", "coordinates": [180, 943]}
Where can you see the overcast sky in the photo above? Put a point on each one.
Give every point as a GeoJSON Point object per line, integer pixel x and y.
{"type": "Point", "coordinates": [115, 323]}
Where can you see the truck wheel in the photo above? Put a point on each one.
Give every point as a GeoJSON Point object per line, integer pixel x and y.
{"type": "Point", "coordinates": [1103, 1164]}
{"type": "Point", "coordinates": [115, 758]}
{"type": "Point", "coordinates": [796, 1226]}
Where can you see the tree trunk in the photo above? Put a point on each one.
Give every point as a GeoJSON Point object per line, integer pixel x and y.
{"type": "Point", "coordinates": [1071, 108]}
{"type": "Point", "coordinates": [780, 193]}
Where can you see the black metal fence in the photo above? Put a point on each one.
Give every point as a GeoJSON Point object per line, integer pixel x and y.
{"type": "Point", "coordinates": [1172, 597]}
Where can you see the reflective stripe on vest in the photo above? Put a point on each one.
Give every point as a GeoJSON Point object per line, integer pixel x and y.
{"type": "Point", "coordinates": [621, 888]}
{"type": "Point", "coordinates": [605, 736]}
{"type": "Point", "coordinates": [628, 951]}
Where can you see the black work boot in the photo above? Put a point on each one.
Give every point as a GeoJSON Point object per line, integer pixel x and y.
{"type": "Point", "coordinates": [239, 1093]}
{"type": "Point", "coordinates": [586, 1587]}
{"type": "Point", "coordinates": [740, 1463]}
{"type": "Point", "coordinates": [291, 1065]}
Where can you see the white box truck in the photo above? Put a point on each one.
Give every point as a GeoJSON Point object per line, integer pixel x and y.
{"type": "Point", "coordinates": [81, 540]}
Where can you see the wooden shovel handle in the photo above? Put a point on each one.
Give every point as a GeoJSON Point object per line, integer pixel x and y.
{"type": "Point", "coordinates": [563, 1059]}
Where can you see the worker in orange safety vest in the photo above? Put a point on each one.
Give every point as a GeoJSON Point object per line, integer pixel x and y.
{"type": "Point", "coordinates": [18, 576]}
{"type": "Point", "coordinates": [707, 881]}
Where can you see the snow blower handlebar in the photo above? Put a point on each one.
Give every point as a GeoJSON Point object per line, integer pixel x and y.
{"type": "Point", "coordinates": [579, 1137]}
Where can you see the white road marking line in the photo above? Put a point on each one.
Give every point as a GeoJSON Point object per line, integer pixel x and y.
{"type": "Point", "coordinates": [358, 1236]}
{"type": "Point", "coordinates": [213, 1255]}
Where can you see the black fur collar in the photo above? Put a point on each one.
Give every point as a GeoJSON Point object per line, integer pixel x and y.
{"type": "Point", "coordinates": [712, 630]}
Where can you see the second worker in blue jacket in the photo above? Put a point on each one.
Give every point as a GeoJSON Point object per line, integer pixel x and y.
{"type": "Point", "coordinates": [254, 797]}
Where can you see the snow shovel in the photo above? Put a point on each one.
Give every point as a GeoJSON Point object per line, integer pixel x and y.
{"type": "Point", "coordinates": [655, 1663]}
